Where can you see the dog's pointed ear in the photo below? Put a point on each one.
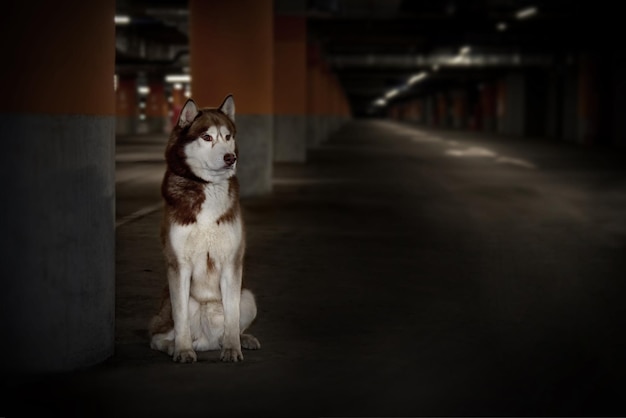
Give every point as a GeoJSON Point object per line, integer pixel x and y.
{"type": "Point", "coordinates": [228, 107]}
{"type": "Point", "coordinates": [188, 114]}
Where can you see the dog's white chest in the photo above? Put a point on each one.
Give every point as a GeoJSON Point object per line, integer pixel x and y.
{"type": "Point", "coordinates": [220, 240]}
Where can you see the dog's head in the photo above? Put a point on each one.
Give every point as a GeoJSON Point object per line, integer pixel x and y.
{"type": "Point", "coordinates": [202, 144]}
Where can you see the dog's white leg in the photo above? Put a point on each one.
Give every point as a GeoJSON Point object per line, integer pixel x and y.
{"type": "Point", "coordinates": [179, 281]}
{"type": "Point", "coordinates": [230, 283]}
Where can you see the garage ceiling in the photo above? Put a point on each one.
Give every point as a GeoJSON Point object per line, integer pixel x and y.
{"type": "Point", "coordinates": [375, 46]}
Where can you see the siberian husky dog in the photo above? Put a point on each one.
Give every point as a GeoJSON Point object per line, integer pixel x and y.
{"type": "Point", "coordinates": [204, 306]}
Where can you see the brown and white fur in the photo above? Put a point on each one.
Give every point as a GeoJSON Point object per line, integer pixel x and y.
{"type": "Point", "coordinates": [203, 240]}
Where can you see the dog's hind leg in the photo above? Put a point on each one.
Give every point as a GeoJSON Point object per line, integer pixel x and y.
{"type": "Point", "coordinates": [163, 342]}
{"type": "Point", "coordinates": [161, 326]}
{"type": "Point", "coordinates": [247, 309]}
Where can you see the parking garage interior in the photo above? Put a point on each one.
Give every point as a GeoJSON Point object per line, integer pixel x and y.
{"type": "Point", "coordinates": [433, 195]}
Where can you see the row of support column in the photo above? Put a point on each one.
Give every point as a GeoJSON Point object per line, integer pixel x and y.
{"type": "Point", "coordinates": [573, 101]}
{"type": "Point", "coordinates": [60, 118]}
{"type": "Point", "coordinates": [150, 111]}
{"type": "Point", "coordinates": [286, 98]}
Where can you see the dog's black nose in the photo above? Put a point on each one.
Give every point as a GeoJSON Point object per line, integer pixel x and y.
{"type": "Point", "coordinates": [230, 159]}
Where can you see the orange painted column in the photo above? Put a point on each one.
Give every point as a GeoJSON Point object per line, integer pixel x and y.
{"type": "Point", "coordinates": [290, 88]}
{"type": "Point", "coordinates": [57, 124]}
{"type": "Point", "coordinates": [232, 52]}
{"type": "Point", "coordinates": [177, 102]}
{"type": "Point", "coordinates": [314, 87]}
{"type": "Point", "coordinates": [126, 105]}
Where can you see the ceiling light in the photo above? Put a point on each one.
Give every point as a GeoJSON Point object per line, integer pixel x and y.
{"type": "Point", "coordinates": [122, 20]}
{"type": "Point", "coordinates": [464, 50]}
{"type": "Point", "coordinates": [526, 13]}
{"type": "Point", "coordinates": [380, 102]}
{"type": "Point", "coordinates": [143, 89]}
{"type": "Point", "coordinates": [457, 60]}
{"type": "Point", "coordinates": [392, 93]}
{"type": "Point", "coordinates": [178, 78]}
{"type": "Point", "coordinates": [417, 77]}
{"type": "Point", "coordinates": [501, 26]}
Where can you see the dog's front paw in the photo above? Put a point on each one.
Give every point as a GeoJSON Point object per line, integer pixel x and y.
{"type": "Point", "coordinates": [185, 356]}
{"type": "Point", "coordinates": [231, 355]}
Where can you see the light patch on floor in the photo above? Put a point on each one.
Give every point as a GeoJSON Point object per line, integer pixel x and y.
{"type": "Point", "coordinates": [138, 214]}
{"type": "Point", "coordinates": [516, 161]}
{"type": "Point", "coordinates": [307, 182]}
{"type": "Point", "coordinates": [471, 152]}
{"type": "Point", "coordinates": [484, 152]}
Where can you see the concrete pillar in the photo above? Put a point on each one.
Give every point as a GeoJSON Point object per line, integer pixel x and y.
{"type": "Point", "coordinates": [314, 87]}
{"type": "Point", "coordinates": [126, 105]}
{"type": "Point", "coordinates": [617, 102]}
{"type": "Point", "coordinates": [537, 99]}
{"type": "Point", "coordinates": [232, 52]}
{"type": "Point", "coordinates": [459, 118]}
{"type": "Point", "coordinates": [419, 110]}
{"type": "Point", "coordinates": [323, 106]}
{"type": "Point", "coordinates": [431, 114]}
{"type": "Point", "coordinates": [177, 102]}
{"type": "Point", "coordinates": [290, 89]}
{"type": "Point", "coordinates": [333, 104]}
{"type": "Point", "coordinates": [512, 102]}
{"type": "Point", "coordinates": [489, 106]}
{"type": "Point", "coordinates": [57, 124]}
{"type": "Point", "coordinates": [442, 110]}
{"type": "Point", "coordinates": [587, 100]}
{"type": "Point", "coordinates": [344, 107]}
{"type": "Point", "coordinates": [569, 100]}
{"type": "Point", "coordinates": [156, 106]}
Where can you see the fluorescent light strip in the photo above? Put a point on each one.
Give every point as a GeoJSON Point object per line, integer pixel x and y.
{"type": "Point", "coordinates": [392, 93]}
{"type": "Point", "coordinates": [457, 59]}
{"type": "Point", "coordinates": [121, 20]}
{"type": "Point", "coordinates": [526, 13]}
{"type": "Point", "coordinates": [178, 78]}
{"type": "Point", "coordinates": [417, 77]}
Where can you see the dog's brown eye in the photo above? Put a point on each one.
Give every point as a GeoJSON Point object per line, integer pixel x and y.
{"type": "Point", "coordinates": [207, 137]}
{"type": "Point", "coordinates": [228, 137]}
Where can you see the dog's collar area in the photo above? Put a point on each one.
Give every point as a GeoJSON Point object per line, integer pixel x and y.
{"type": "Point", "coordinates": [192, 177]}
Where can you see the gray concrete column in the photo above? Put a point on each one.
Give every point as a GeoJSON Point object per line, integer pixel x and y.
{"type": "Point", "coordinates": [512, 117]}
{"type": "Point", "coordinates": [57, 126]}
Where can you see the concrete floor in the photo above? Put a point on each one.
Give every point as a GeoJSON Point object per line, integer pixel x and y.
{"type": "Point", "coordinates": [400, 272]}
